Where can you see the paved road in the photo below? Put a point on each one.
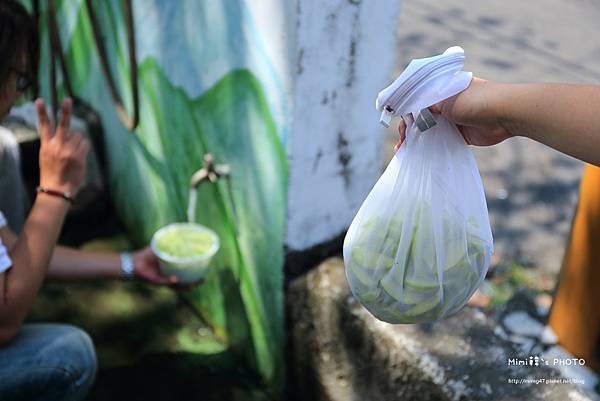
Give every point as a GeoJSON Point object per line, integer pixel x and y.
{"type": "Point", "coordinates": [531, 189]}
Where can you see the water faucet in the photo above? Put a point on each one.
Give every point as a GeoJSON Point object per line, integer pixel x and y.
{"type": "Point", "coordinates": [209, 171]}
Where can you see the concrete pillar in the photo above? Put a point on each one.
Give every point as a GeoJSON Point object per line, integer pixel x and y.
{"type": "Point", "coordinates": [344, 54]}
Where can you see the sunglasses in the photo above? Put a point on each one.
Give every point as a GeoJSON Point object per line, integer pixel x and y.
{"type": "Point", "coordinates": [24, 80]}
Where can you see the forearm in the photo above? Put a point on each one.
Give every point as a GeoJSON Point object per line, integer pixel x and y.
{"type": "Point", "coordinates": [30, 254]}
{"type": "Point", "coordinates": [69, 264]}
{"type": "Point", "coordinates": [564, 117]}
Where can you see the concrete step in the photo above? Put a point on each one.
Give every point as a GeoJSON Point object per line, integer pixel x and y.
{"type": "Point", "coordinates": [341, 352]}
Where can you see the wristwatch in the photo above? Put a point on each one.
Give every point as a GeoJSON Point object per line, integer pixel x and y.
{"type": "Point", "coordinates": [126, 266]}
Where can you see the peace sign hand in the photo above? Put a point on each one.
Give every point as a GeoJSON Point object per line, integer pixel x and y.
{"type": "Point", "coordinates": [62, 154]}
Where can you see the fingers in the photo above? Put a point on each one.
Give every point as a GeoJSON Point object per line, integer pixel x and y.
{"type": "Point", "coordinates": [73, 142]}
{"type": "Point", "coordinates": [77, 145]}
{"type": "Point", "coordinates": [163, 280]}
{"type": "Point", "coordinates": [64, 121]}
{"type": "Point", "coordinates": [402, 134]}
{"type": "Point", "coordinates": [44, 126]}
{"type": "Point", "coordinates": [170, 281]}
{"type": "Point", "coordinates": [84, 147]}
{"type": "Point", "coordinates": [467, 132]}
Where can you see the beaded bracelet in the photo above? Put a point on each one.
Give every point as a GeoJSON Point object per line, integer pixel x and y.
{"type": "Point", "coordinates": [64, 195]}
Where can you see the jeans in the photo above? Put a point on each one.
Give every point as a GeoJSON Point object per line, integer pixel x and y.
{"type": "Point", "coordinates": [47, 362]}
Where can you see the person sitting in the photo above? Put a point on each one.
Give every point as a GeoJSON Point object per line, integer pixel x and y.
{"type": "Point", "coordinates": [47, 361]}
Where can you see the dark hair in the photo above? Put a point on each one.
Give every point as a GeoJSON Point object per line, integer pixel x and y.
{"type": "Point", "coordinates": [18, 39]}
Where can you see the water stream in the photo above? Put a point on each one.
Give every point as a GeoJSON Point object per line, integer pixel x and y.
{"type": "Point", "coordinates": [191, 209]}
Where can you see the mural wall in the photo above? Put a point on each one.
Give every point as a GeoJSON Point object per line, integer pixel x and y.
{"type": "Point", "coordinates": [207, 83]}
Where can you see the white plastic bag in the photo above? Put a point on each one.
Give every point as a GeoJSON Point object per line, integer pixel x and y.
{"type": "Point", "coordinates": [420, 244]}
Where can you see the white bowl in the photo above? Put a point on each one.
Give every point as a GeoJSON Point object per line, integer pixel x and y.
{"type": "Point", "coordinates": [186, 269]}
